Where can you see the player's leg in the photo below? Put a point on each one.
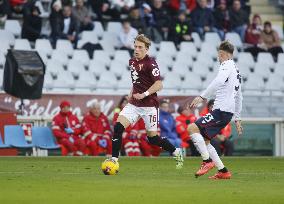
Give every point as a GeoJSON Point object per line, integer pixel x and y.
{"type": "Point", "coordinates": [150, 117]}
{"type": "Point", "coordinates": [127, 116]}
{"type": "Point", "coordinates": [200, 145]}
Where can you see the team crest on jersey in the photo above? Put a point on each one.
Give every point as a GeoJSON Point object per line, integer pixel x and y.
{"type": "Point", "coordinates": [140, 67]}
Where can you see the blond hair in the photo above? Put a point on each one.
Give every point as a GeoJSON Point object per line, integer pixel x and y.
{"type": "Point", "coordinates": [142, 38]}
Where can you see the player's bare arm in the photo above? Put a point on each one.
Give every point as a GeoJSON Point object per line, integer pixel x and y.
{"type": "Point", "coordinates": [157, 86]}
{"type": "Point", "coordinates": [197, 100]}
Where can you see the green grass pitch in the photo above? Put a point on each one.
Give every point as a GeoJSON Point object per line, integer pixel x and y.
{"type": "Point", "coordinates": [65, 180]}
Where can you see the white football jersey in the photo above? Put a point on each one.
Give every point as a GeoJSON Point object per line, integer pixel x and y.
{"type": "Point", "coordinates": [227, 89]}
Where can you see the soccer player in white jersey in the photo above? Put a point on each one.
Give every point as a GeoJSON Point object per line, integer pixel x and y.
{"type": "Point", "coordinates": [228, 104]}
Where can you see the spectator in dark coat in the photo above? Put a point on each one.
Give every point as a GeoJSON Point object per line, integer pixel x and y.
{"type": "Point", "coordinates": [181, 29]}
{"type": "Point", "coordinates": [222, 19]}
{"type": "Point", "coordinates": [103, 7]}
{"type": "Point", "coordinates": [31, 28]}
{"type": "Point", "coordinates": [238, 19]}
{"type": "Point", "coordinates": [136, 21]}
{"type": "Point", "coordinates": [202, 18]}
{"type": "Point", "coordinates": [82, 16]}
{"type": "Point", "coordinates": [5, 11]}
{"type": "Point", "coordinates": [161, 18]}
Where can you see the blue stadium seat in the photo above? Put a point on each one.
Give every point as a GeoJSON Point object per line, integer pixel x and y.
{"type": "Point", "coordinates": [14, 136]}
{"type": "Point", "coordinates": [2, 145]}
{"type": "Point", "coordinates": [43, 138]}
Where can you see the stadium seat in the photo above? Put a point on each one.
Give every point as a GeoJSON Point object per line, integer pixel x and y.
{"type": "Point", "coordinates": [48, 81]}
{"type": "Point", "coordinates": [212, 38]}
{"type": "Point", "coordinates": [54, 67]}
{"type": "Point", "coordinates": [103, 56]}
{"type": "Point", "coordinates": [196, 39]}
{"type": "Point", "coordinates": [87, 36]}
{"type": "Point", "coordinates": [168, 47]}
{"type": "Point", "coordinates": [192, 81]}
{"type": "Point", "coordinates": [244, 70]}
{"type": "Point", "coordinates": [262, 69]}
{"type": "Point", "coordinates": [4, 47]}
{"type": "Point", "coordinates": [275, 82]}
{"type": "Point", "coordinates": [164, 58]}
{"type": "Point", "coordinates": [14, 136]}
{"type": "Point", "coordinates": [235, 39]}
{"type": "Point", "coordinates": [65, 46]}
{"type": "Point", "coordinates": [2, 145]}
{"type": "Point", "coordinates": [152, 50]}
{"type": "Point", "coordinates": [117, 67]}
{"type": "Point", "coordinates": [246, 58]}
{"type": "Point", "coordinates": [43, 57]}
{"type": "Point", "coordinates": [109, 42]}
{"type": "Point", "coordinates": [122, 56]}
{"type": "Point", "coordinates": [7, 36]}
{"type": "Point", "coordinates": [205, 58]}
{"type": "Point", "coordinates": [97, 67]}
{"type": "Point", "coordinates": [280, 59]}
{"type": "Point", "coordinates": [22, 44]}
{"type": "Point", "coordinates": [2, 61]}
{"type": "Point", "coordinates": [13, 26]}
{"type": "Point", "coordinates": [184, 57]}
{"type": "Point", "coordinates": [82, 56]}
{"type": "Point", "coordinates": [189, 48]}
{"type": "Point", "coordinates": [208, 79]}
{"type": "Point", "coordinates": [43, 138]}
{"type": "Point", "coordinates": [107, 80]}
{"type": "Point", "coordinates": [60, 56]}
{"type": "Point", "coordinates": [114, 27]}
{"type": "Point", "coordinates": [208, 50]}
{"type": "Point", "coordinates": [200, 68]}
{"type": "Point", "coordinates": [125, 82]}
{"type": "Point", "coordinates": [99, 30]}
{"type": "Point", "coordinates": [64, 82]}
{"type": "Point", "coordinates": [180, 68]}
{"type": "Point", "coordinates": [278, 70]}
{"type": "Point", "coordinates": [43, 46]}
{"type": "Point", "coordinates": [254, 82]}
{"type": "Point", "coordinates": [172, 81]}
{"type": "Point", "coordinates": [75, 67]}
{"type": "Point", "coordinates": [86, 80]}
{"type": "Point", "coordinates": [279, 30]}
{"type": "Point", "coordinates": [265, 58]}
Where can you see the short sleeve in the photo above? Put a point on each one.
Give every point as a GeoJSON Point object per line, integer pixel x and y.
{"type": "Point", "coordinates": [154, 71]}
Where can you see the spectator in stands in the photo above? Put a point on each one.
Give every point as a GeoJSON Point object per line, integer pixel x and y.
{"type": "Point", "coordinates": [5, 11]}
{"type": "Point", "coordinates": [181, 29]}
{"type": "Point", "coordinates": [32, 23]}
{"type": "Point", "coordinates": [66, 27]}
{"type": "Point", "coordinates": [222, 19]}
{"type": "Point", "coordinates": [55, 18]}
{"type": "Point", "coordinates": [67, 130]}
{"type": "Point", "coordinates": [238, 19]}
{"type": "Point", "coordinates": [221, 142]}
{"type": "Point", "coordinates": [122, 6]}
{"type": "Point", "coordinates": [167, 124]}
{"type": "Point", "coordinates": [96, 131]}
{"type": "Point", "coordinates": [148, 17]}
{"type": "Point", "coordinates": [136, 21]}
{"type": "Point", "coordinates": [271, 40]}
{"type": "Point", "coordinates": [126, 37]}
{"type": "Point", "coordinates": [17, 5]}
{"type": "Point", "coordinates": [103, 7]}
{"type": "Point", "coordinates": [252, 36]}
{"type": "Point", "coordinates": [202, 18]}
{"type": "Point", "coordinates": [161, 17]}
{"type": "Point", "coordinates": [211, 4]}
{"type": "Point", "coordinates": [185, 118]}
{"type": "Point", "coordinates": [175, 6]}
{"type": "Point", "coordinates": [81, 13]}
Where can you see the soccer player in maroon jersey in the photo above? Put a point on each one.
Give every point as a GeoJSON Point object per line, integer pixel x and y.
{"type": "Point", "coordinates": [143, 101]}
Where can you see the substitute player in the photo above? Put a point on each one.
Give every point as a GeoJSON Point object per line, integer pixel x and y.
{"type": "Point", "coordinates": [143, 101]}
{"type": "Point", "coordinates": [228, 103]}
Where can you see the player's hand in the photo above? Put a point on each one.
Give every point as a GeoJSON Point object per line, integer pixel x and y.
{"type": "Point", "coordinates": [239, 127]}
{"type": "Point", "coordinates": [195, 102]}
{"type": "Point", "coordinates": [139, 96]}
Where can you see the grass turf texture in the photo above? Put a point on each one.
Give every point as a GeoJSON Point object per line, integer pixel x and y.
{"type": "Point", "coordinates": [71, 180]}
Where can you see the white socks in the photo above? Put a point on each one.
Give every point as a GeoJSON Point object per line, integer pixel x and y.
{"type": "Point", "coordinates": [115, 159]}
{"type": "Point", "coordinates": [200, 145]}
{"type": "Point", "coordinates": [215, 157]}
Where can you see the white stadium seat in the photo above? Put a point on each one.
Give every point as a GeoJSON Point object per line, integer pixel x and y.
{"type": "Point", "coordinates": [114, 27]}
{"type": "Point", "coordinates": [212, 38]}
{"type": "Point", "coordinates": [262, 69]}
{"type": "Point", "coordinates": [200, 68]}
{"type": "Point", "coordinates": [99, 30]}
{"type": "Point", "coordinates": [75, 67]}
{"type": "Point", "coordinates": [43, 46]}
{"type": "Point", "coordinates": [87, 36]}
{"type": "Point", "coordinates": [125, 82]}
{"type": "Point", "coordinates": [2, 61]}
{"type": "Point", "coordinates": [246, 58]}
{"type": "Point", "coordinates": [65, 46]}
{"type": "Point", "coordinates": [103, 56]}
{"type": "Point", "coordinates": [192, 81]}
{"type": "Point", "coordinates": [54, 67]}
{"type": "Point", "coordinates": [168, 47]}
{"type": "Point", "coordinates": [164, 58]}
{"type": "Point", "coordinates": [196, 39]}
{"type": "Point", "coordinates": [172, 81]}
{"type": "Point", "coordinates": [117, 67]}
{"type": "Point", "coordinates": [82, 56]}
{"type": "Point", "coordinates": [22, 44]}
{"type": "Point", "coordinates": [254, 82]}
{"type": "Point", "coordinates": [4, 46]}
{"type": "Point", "coordinates": [86, 80]}
{"type": "Point", "coordinates": [235, 39]}
{"type": "Point", "coordinates": [60, 56]}
{"type": "Point", "coordinates": [275, 82]}
{"type": "Point", "coordinates": [7, 36]}
{"type": "Point", "coordinates": [64, 82]}
{"type": "Point", "coordinates": [209, 50]}
{"type": "Point", "coordinates": [183, 56]}
{"type": "Point", "coordinates": [107, 80]}
{"type": "Point", "coordinates": [180, 68]}
{"type": "Point", "coordinates": [122, 56]}
{"type": "Point", "coordinates": [265, 58]}
{"type": "Point", "coordinates": [13, 26]}
{"type": "Point", "coordinates": [189, 48]}
{"type": "Point", "coordinates": [48, 81]}
{"type": "Point", "coordinates": [280, 59]}
{"type": "Point", "coordinates": [97, 67]}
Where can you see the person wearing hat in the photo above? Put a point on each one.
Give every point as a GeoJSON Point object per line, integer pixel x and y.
{"type": "Point", "coordinates": [96, 131]}
{"type": "Point", "coordinates": [67, 129]}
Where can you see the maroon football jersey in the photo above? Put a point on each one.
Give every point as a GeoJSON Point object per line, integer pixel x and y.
{"type": "Point", "coordinates": [144, 73]}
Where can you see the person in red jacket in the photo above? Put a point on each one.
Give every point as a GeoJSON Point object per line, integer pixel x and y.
{"type": "Point", "coordinates": [222, 142]}
{"type": "Point", "coordinates": [175, 6]}
{"type": "Point", "coordinates": [96, 131]}
{"type": "Point", "coordinates": [182, 121]}
{"type": "Point", "coordinates": [67, 129]}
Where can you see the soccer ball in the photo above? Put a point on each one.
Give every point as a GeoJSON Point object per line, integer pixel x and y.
{"type": "Point", "coordinates": [110, 167]}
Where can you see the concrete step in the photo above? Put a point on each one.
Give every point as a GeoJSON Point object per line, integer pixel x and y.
{"type": "Point", "coordinates": [261, 9]}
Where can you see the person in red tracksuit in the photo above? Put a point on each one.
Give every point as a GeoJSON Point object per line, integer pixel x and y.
{"type": "Point", "coordinates": [96, 131]}
{"type": "Point", "coordinates": [67, 129]}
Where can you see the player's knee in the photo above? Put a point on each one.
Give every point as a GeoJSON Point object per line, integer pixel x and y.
{"type": "Point", "coordinates": [118, 130]}
{"type": "Point", "coordinates": [192, 128]}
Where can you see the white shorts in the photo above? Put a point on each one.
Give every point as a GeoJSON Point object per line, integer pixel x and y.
{"type": "Point", "coordinates": [150, 115]}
